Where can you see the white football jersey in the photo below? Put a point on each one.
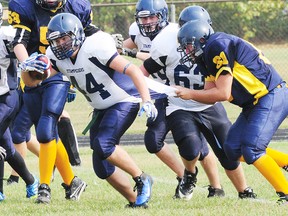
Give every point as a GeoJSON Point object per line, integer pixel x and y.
{"type": "Point", "coordinates": [6, 35]}
{"type": "Point", "coordinates": [144, 45]}
{"type": "Point", "coordinates": [165, 45]}
{"type": "Point", "coordinates": [89, 73]}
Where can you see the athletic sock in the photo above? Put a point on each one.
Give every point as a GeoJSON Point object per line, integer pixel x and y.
{"type": "Point", "coordinates": [47, 157]}
{"type": "Point", "coordinates": [271, 171]}
{"type": "Point", "coordinates": [279, 157]}
{"type": "Point", "coordinates": [63, 165]}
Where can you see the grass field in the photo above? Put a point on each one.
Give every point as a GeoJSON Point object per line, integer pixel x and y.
{"type": "Point", "coordinates": [100, 199]}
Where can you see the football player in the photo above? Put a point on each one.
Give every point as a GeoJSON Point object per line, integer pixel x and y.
{"type": "Point", "coordinates": [190, 120]}
{"type": "Point", "coordinates": [46, 101]}
{"type": "Point", "coordinates": [9, 104]}
{"type": "Point", "coordinates": [22, 137]}
{"type": "Point", "coordinates": [238, 72]}
{"type": "Point", "coordinates": [111, 84]}
{"type": "Point", "coordinates": [141, 36]}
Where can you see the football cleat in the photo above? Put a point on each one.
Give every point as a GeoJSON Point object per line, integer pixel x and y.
{"type": "Point", "coordinates": [2, 197]}
{"type": "Point", "coordinates": [31, 190]}
{"type": "Point", "coordinates": [247, 193]}
{"type": "Point", "coordinates": [44, 194]}
{"type": "Point", "coordinates": [74, 191]}
{"type": "Point", "coordinates": [283, 198]}
{"type": "Point", "coordinates": [130, 205]}
{"type": "Point", "coordinates": [215, 192]}
{"type": "Point", "coordinates": [12, 180]}
{"type": "Point", "coordinates": [144, 188]}
{"type": "Point", "coordinates": [187, 184]}
{"type": "Point", "coordinates": [177, 195]}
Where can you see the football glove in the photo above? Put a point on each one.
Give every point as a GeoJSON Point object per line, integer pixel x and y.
{"type": "Point", "coordinates": [71, 94]}
{"type": "Point", "coordinates": [128, 52]}
{"type": "Point", "coordinates": [2, 153]}
{"type": "Point", "coordinates": [33, 64]}
{"type": "Point", "coordinates": [118, 38]}
{"type": "Point", "coordinates": [150, 109]}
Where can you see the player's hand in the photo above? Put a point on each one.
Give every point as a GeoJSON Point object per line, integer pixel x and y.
{"type": "Point", "coordinates": [118, 38]}
{"type": "Point", "coordinates": [150, 109]}
{"type": "Point", "coordinates": [2, 153]}
{"type": "Point", "coordinates": [128, 52]}
{"type": "Point", "coordinates": [33, 64]}
{"type": "Point", "coordinates": [71, 94]}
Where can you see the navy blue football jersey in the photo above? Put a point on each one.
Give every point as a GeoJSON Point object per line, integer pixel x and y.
{"type": "Point", "coordinates": [26, 14]}
{"type": "Point", "coordinates": [253, 74]}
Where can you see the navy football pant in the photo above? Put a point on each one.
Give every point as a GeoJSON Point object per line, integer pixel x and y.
{"type": "Point", "coordinates": [106, 132]}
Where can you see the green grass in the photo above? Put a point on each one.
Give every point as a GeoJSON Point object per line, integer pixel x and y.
{"type": "Point", "coordinates": [101, 199]}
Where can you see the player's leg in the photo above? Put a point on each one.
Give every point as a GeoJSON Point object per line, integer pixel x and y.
{"type": "Point", "coordinates": [9, 104]}
{"type": "Point", "coordinates": [105, 135]}
{"type": "Point", "coordinates": [190, 143]}
{"type": "Point", "coordinates": [214, 124]}
{"type": "Point", "coordinates": [154, 141]}
{"type": "Point", "coordinates": [69, 139]}
{"type": "Point", "coordinates": [209, 164]}
{"type": "Point", "coordinates": [21, 136]}
{"type": "Point", "coordinates": [2, 196]}
{"type": "Point", "coordinates": [259, 133]}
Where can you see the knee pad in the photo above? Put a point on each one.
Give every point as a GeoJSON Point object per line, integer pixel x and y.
{"type": "Point", "coordinates": [251, 154]}
{"type": "Point", "coordinates": [224, 161]}
{"type": "Point", "coordinates": [102, 147]}
{"type": "Point", "coordinates": [46, 129]}
{"type": "Point", "coordinates": [188, 149]}
{"type": "Point", "coordinates": [153, 142]}
{"type": "Point", "coordinates": [102, 168]}
{"type": "Point", "coordinates": [204, 152]}
{"type": "Point", "coordinates": [19, 136]}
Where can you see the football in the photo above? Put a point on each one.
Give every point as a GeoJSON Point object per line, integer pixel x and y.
{"type": "Point", "coordinates": [38, 76]}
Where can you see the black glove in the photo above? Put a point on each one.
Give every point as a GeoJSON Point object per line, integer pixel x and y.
{"type": "Point", "coordinates": [2, 153]}
{"type": "Point", "coordinates": [128, 52]}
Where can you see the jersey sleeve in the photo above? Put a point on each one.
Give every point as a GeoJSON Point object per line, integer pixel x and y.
{"type": "Point", "coordinates": [20, 16]}
{"type": "Point", "coordinates": [104, 49]}
{"type": "Point", "coordinates": [219, 57]}
{"type": "Point", "coordinates": [81, 9]}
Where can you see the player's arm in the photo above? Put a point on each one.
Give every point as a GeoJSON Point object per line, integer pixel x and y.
{"type": "Point", "coordinates": [150, 66]}
{"type": "Point", "coordinates": [130, 49]}
{"type": "Point", "coordinates": [221, 91]}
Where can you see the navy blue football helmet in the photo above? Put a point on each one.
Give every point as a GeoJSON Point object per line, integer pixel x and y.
{"type": "Point", "coordinates": [51, 5]}
{"type": "Point", "coordinates": [1, 14]}
{"type": "Point", "coordinates": [194, 13]}
{"type": "Point", "coordinates": [195, 33]}
{"type": "Point", "coordinates": [146, 8]}
{"type": "Point", "coordinates": [65, 24]}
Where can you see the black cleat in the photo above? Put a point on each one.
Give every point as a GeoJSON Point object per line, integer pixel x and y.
{"type": "Point", "coordinates": [283, 198]}
{"type": "Point", "coordinates": [44, 194]}
{"type": "Point", "coordinates": [177, 195]}
{"type": "Point", "coordinates": [187, 184]}
{"type": "Point", "coordinates": [74, 191]}
{"type": "Point", "coordinates": [215, 192]}
{"type": "Point", "coordinates": [248, 193]}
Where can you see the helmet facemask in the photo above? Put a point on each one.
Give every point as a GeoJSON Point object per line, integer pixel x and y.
{"type": "Point", "coordinates": [150, 29]}
{"type": "Point", "coordinates": [50, 4]}
{"type": "Point", "coordinates": [66, 48]}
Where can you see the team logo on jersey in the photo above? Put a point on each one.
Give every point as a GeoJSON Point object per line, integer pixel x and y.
{"type": "Point", "coordinates": [220, 60]}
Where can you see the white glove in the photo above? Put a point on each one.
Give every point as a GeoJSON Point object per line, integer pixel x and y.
{"type": "Point", "coordinates": [33, 64]}
{"type": "Point", "coordinates": [150, 109]}
{"type": "Point", "coordinates": [118, 38]}
{"type": "Point", "coordinates": [2, 153]}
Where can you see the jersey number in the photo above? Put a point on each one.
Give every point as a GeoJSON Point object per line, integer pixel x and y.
{"type": "Point", "coordinates": [91, 87]}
